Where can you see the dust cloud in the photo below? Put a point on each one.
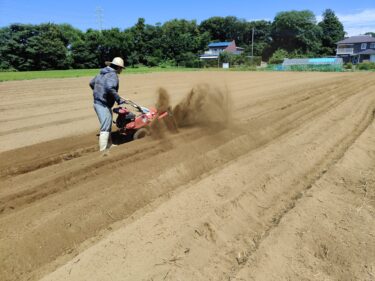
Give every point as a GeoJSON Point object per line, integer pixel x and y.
{"type": "Point", "coordinates": [163, 101]}
{"type": "Point", "coordinates": [204, 105]}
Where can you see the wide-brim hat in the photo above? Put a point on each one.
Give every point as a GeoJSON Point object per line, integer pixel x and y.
{"type": "Point", "coordinates": [116, 61]}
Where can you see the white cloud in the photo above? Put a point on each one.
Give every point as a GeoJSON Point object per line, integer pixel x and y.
{"type": "Point", "coordinates": [358, 23]}
{"type": "Point", "coordinates": [266, 19]}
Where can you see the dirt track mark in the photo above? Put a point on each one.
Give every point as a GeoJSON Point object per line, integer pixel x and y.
{"type": "Point", "coordinates": [22, 118]}
{"type": "Point", "coordinates": [20, 161]}
{"type": "Point", "coordinates": [309, 179]}
{"type": "Point", "coordinates": [72, 174]}
{"type": "Point", "coordinates": [326, 164]}
{"type": "Point", "coordinates": [43, 125]}
{"type": "Point", "coordinates": [324, 225]}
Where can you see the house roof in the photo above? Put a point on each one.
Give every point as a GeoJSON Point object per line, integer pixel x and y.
{"type": "Point", "coordinates": [357, 39]}
{"type": "Point", "coordinates": [220, 44]}
{"type": "Point", "coordinates": [367, 52]}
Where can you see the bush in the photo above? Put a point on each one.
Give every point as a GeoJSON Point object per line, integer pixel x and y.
{"type": "Point", "coordinates": [167, 63]}
{"type": "Point", "coordinates": [348, 66]}
{"type": "Point", "coordinates": [188, 59]}
{"type": "Point", "coordinates": [312, 67]}
{"type": "Point", "coordinates": [366, 66]}
{"type": "Point", "coordinates": [245, 60]}
{"type": "Point", "coordinates": [245, 68]}
{"type": "Point", "coordinates": [226, 57]}
{"type": "Point", "coordinates": [138, 65]}
{"type": "Point", "coordinates": [152, 61]}
{"type": "Point", "coordinates": [209, 63]}
{"type": "Point", "coordinates": [278, 57]}
{"type": "Point", "coordinates": [8, 70]}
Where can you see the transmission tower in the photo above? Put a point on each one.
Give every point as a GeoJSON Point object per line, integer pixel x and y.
{"type": "Point", "coordinates": [99, 17]}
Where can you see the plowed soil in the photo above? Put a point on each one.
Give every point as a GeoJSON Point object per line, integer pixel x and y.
{"type": "Point", "coordinates": [283, 191]}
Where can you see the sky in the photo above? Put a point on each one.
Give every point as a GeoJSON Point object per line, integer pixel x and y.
{"type": "Point", "coordinates": [358, 17]}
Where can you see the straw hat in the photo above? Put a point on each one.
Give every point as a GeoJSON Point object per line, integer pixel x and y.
{"type": "Point", "coordinates": [116, 61]}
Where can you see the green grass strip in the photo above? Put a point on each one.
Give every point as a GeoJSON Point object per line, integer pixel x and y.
{"type": "Point", "coordinates": [28, 75]}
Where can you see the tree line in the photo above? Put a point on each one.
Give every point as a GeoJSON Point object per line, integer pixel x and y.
{"type": "Point", "coordinates": [176, 42]}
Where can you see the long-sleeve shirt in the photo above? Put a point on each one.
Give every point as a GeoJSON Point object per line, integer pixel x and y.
{"type": "Point", "coordinates": [105, 86]}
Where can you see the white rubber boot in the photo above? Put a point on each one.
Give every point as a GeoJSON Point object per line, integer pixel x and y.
{"type": "Point", "coordinates": [103, 140]}
{"type": "Point", "coordinates": [110, 143]}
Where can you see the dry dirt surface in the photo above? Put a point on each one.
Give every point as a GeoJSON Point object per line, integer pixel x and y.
{"type": "Point", "coordinates": [270, 177]}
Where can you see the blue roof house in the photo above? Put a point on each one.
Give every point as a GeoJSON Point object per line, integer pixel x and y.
{"type": "Point", "coordinates": [214, 50]}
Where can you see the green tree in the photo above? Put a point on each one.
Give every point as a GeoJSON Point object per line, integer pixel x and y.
{"type": "Point", "coordinates": [86, 52]}
{"type": "Point", "coordinates": [153, 42]}
{"type": "Point", "coordinates": [296, 31]}
{"type": "Point", "coordinates": [215, 27]}
{"type": "Point", "coordinates": [262, 37]}
{"type": "Point", "coordinates": [83, 57]}
{"type": "Point", "coordinates": [5, 59]}
{"type": "Point", "coordinates": [47, 48]}
{"type": "Point", "coordinates": [30, 47]}
{"type": "Point", "coordinates": [333, 31]}
{"type": "Point", "coordinates": [370, 33]}
{"type": "Point", "coordinates": [14, 42]}
{"type": "Point", "coordinates": [113, 44]}
{"type": "Point", "coordinates": [224, 28]}
{"type": "Point", "coordinates": [176, 42]}
{"type": "Point", "coordinates": [181, 38]}
{"type": "Point", "coordinates": [137, 50]}
{"type": "Point", "coordinates": [71, 36]}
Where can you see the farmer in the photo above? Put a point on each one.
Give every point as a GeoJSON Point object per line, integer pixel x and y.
{"type": "Point", "coordinates": [105, 86]}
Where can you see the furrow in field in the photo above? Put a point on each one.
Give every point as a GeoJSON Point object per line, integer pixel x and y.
{"type": "Point", "coordinates": [201, 230]}
{"type": "Point", "coordinates": [314, 241]}
{"type": "Point", "coordinates": [285, 120]}
{"type": "Point", "coordinates": [185, 205]}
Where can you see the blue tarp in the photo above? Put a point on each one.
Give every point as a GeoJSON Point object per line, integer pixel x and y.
{"type": "Point", "coordinates": [323, 60]}
{"type": "Point", "coordinates": [313, 61]}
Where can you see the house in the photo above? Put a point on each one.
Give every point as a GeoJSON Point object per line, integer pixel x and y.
{"type": "Point", "coordinates": [214, 50]}
{"type": "Point", "coordinates": [356, 49]}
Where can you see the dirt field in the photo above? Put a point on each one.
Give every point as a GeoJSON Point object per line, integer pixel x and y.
{"type": "Point", "coordinates": [286, 191]}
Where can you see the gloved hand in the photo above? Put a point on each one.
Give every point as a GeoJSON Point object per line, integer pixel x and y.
{"type": "Point", "coordinates": [122, 101]}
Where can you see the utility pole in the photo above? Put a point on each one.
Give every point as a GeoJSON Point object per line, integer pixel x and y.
{"type": "Point", "coordinates": [99, 17]}
{"type": "Point", "coordinates": [252, 47]}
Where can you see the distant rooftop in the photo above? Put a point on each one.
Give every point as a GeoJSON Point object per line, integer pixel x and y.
{"type": "Point", "coordinates": [357, 39]}
{"type": "Point", "coordinates": [220, 44]}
